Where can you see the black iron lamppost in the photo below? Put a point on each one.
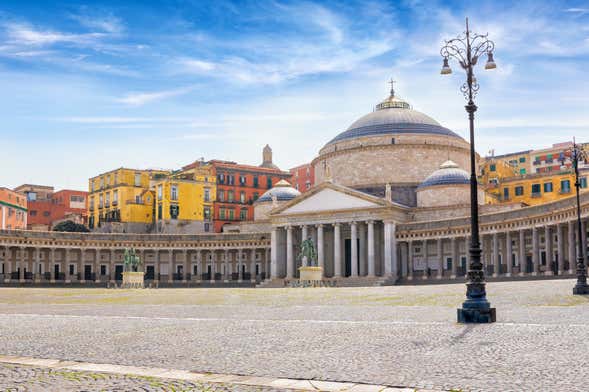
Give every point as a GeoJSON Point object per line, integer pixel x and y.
{"type": "Point", "coordinates": [467, 48]}
{"type": "Point", "coordinates": [581, 287]}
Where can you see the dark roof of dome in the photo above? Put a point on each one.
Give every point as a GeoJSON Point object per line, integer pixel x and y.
{"type": "Point", "coordinates": [393, 116]}
{"type": "Point", "coordinates": [282, 190]}
{"type": "Point", "coordinates": [449, 173]}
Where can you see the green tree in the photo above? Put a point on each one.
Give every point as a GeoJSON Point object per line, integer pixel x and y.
{"type": "Point", "coordinates": [70, 226]}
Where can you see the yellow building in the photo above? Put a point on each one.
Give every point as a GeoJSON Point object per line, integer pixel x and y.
{"type": "Point", "coordinates": [540, 188]}
{"type": "Point", "coordinates": [122, 200]}
{"type": "Point", "coordinates": [184, 200]}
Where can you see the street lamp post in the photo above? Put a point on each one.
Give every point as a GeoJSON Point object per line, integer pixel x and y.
{"type": "Point", "coordinates": [467, 49]}
{"type": "Point", "coordinates": [581, 287]}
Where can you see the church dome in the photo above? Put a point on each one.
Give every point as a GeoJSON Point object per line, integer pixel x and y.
{"type": "Point", "coordinates": [449, 173]}
{"type": "Point", "coordinates": [393, 116]}
{"type": "Point", "coordinates": [282, 190]}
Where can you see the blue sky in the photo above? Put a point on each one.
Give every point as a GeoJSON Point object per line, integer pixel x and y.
{"type": "Point", "coordinates": [90, 86]}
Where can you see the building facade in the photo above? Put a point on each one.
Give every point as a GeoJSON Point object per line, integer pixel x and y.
{"type": "Point", "coordinates": [47, 208]}
{"type": "Point", "coordinates": [391, 206]}
{"type": "Point", "coordinates": [239, 186]}
{"type": "Point", "coordinates": [13, 210]}
{"type": "Point", "coordinates": [122, 200]}
{"type": "Point", "coordinates": [303, 177]}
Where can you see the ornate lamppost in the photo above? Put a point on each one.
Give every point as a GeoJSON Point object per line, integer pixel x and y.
{"type": "Point", "coordinates": [466, 49]}
{"type": "Point", "coordinates": [581, 287]}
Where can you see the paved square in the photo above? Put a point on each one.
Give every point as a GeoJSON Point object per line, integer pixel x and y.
{"type": "Point", "coordinates": [403, 336]}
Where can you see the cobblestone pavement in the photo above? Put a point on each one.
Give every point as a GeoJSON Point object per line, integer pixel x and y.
{"type": "Point", "coordinates": [30, 379]}
{"type": "Point", "coordinates": [398, 336]}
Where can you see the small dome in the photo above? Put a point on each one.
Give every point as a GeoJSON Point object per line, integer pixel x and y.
{"type": "Point", "coordinates": [449, 173]}
{"type": "Point", "coordinates": [282, 190]}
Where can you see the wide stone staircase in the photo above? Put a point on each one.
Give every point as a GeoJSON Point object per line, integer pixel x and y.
{"type": "Point", "coordinates": [336, 282]}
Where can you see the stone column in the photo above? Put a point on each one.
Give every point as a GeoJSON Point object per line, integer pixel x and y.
{"type": "Point", "coordinates": [226, 263]}
{"type": "Point", "coordinates": [425, 258]}
{"type": "Point", "coordinates": [440, 250]}
{"type": "Point", "coordinates": [97, 265]}
{"type": "Point", "coordinates": [390, 248]}
{"type": "Point", "coordinates": [185, 268]}
{"type": "Point", "coordinates": [289, 253]}
{"type": "Point", "coordinates": [354, 249]}
{"type": "Point", "coordinates": [274, 253]}
{"type": "Point", "coordinates": [548, 249]}
{"type": "Point", "coordinates": [21, 265]}
{"type": "Point", "coordinates": [239, 271]}
{"type": "Point", "coordinates": [454, 246]}
{"type": "Point", "coordinates": [156, 265]}
{"type": "Point", "coordinates": [522, 252]}
{"type": "Point", "coordinates": [320, 247]}
{"type": "Point", "coordinates": [496, 263]}
{"type": "Point", "coordinates": [253, 274]}
{"type": "Point", "coordinates": [535, 251]}
{"type": "Point", "coordinates": [52, 265]}
{"type": "Point", "coordinates": [337, 250]}
{"type": "Point", "coordinates": [111, 267]}
{"type": "Point", "coordinates": [213, 265]}
{"type": "Point", "coordinates": [200, 266]}
{"type": "Point", "coordinates": [81, 271]}
{"type": "Point", "coordinates": [36, 273]}
{"type": "Point", "coordinates": [371, 262]}
{"type": "Point", "coordinates": [409, 260]}
{"type": "Point", "coordinates": [66, 267]}
{"type": "Point", "coordinates": [266, 264]}
{"type": "Point", "coordinates": [560, 248]}
{"type": "Point", "coordinates": [171, 266]}
{"type": "Point", "coordinates": [362, 234]}
{"type": "Point", "coordinates": [508, 253]}
{"type": "Point", "coordinates": [572, 248]}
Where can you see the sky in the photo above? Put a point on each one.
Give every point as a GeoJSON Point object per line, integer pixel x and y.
{"type": "Point", "coordinates": [87, 87]}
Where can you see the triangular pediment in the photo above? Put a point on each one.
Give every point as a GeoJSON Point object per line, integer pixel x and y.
{"type": "Point", "coordinates": [330, 197]}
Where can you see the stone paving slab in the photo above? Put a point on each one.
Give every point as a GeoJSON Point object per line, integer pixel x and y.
{"type": "Point", "coordinates": [24, 373]}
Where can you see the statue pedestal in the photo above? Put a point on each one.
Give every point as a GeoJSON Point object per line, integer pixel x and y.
{"type": "Point", "coordinates": [312, 274]}
{"type": "Point", "coordinates": [133, 280]}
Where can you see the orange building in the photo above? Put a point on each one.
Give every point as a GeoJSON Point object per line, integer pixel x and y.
{"type": "Point", "coordinates": [303, 177]}
{"type": "Point", "coordinates": [238, 186]}
{"type": "Point", "coordinates": [13, 210]}
{"type": "Point", "coordinates": [47, 208]}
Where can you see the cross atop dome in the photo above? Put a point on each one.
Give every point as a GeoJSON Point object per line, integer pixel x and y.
{"type": "Point", "coordinates": [392, 83]}
{"type": "Point", "coordinates": [393, 102]}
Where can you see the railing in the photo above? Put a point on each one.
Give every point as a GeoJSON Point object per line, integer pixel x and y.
{"type": "Point", "coordinates": [115, 202]}
{"type": "Point", "coordinates": [536, 195]}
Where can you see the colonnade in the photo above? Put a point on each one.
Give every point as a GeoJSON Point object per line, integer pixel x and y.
{"type": "Point", "coordinates": [70, 264]}
{"type": "Point", "coordinates": [360, 248]}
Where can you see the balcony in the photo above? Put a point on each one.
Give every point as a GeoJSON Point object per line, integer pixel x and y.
{"type": "Point", "coordinates": [134, 201]}
{"type": "Point", "coordinates": [107, 204]}
{"type": "Point", "coordinates": [91, 208]}
{"type": "Point", "coordinates": [115, 202]}
{"type": "Point", "coordinates": [536, 163]}
{"type": "Point", "coordinates": [100, 206]}
{"type": "Point", "coordinates": [565, 191]}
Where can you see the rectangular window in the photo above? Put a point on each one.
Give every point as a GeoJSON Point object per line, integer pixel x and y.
{"type": "Point", "coordinates": [103, 270]}
{"type": "Point", "coordinates": [519, 190]}
{"type": "Point", "coordinates": [100, 201]}
{"type": "Point", "coordinates": [33, 213]}
{"type": "Point", "coordinates": [107, 201]}
{"type": "Point", "coordinates": [242, 197]}
{"type": "Point", "coordinates": [256, 196]}
{"type": "Point", "coordinates": [159, 211]}
{"type": "Point", "coordinates": [115, 196]}
{"type": "Point", "coordinates": [547, 187]}
{"type": "Point", "coordinates": [137, 179]}
{"type": "Point", "coordinates": [221, 178]}
{"type": "Point", "coordinates": [207, 213]}
{"type": "Point", "coordinates": [536, 190]}
{"type": "Point", "coordinates": [505, 193]}
{"type": "Point", "coordinates": [160, 192]}
{"type": "Point", "coordinates": [522, 159]}
{"type": "Point", "coordinates": [256, 182]}
{"type": "Point", "coordinates": [522, 171]}
{"type": "Point", "coordinates": [231, 214]}
{"type": "Point", "coordinates": [174, 211]}
{"type": "Point", "coordinates": [243, 214]}
{"type": "Point", "coordinates": [108, 180]}
{"type": "Point", "coordinates": [493, 168]}
{"type": "Point", "coordinates": [242, 180]}
{"type": "Point", "coordinates": [221, 195]}
{"type": "Point", "coordinates": [174, 192]}
{"type": "Point", "coordinates": [101, 182]}
{"type": "Point", "coordinates": [221, 213]}
{"type": "Point", "coordinates": [565, 186]}
{"type": "Point", "coordinates": [269, 182]}
{"type": "Point", "coordinates": [583, 182]}
{"type": "Point", "coordinates": [230, 196]}
{"type": "Point", "coordinates": [72, 269]}
{"type": "Point", "coordinates": [31, 196]}
{"type": "Point", "coordinates": [207, 194]}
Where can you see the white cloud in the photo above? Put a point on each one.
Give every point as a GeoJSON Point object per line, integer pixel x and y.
{"type": "Point", "coordinates": [109, 24]}
{"type": "Point", "coordinates": [139, 99]}
{"type": "Point", "coordinates": [25, 34]}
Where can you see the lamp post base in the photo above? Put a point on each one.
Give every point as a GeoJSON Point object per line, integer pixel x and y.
{"type": "Point", "coordinates": [476, 315]}
{"type": "Point", "coordinates": [581, 289]}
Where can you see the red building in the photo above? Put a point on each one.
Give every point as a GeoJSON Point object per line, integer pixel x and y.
{"type": "Point", "coordinates": [48, 208]}
{"type": "Point", "coordinates": [303, 177]}
{"type": "Point", "coordinates": [238, 186]}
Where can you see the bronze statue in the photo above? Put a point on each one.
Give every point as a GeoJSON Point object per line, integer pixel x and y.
{"type": "Point", "coordinates": [308, 253]}
{"type": "Point", "coordinates": [132, 262]}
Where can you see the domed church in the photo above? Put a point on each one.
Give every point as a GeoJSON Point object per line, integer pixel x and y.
{"type": "Point", "coordinates": [392, 203]}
